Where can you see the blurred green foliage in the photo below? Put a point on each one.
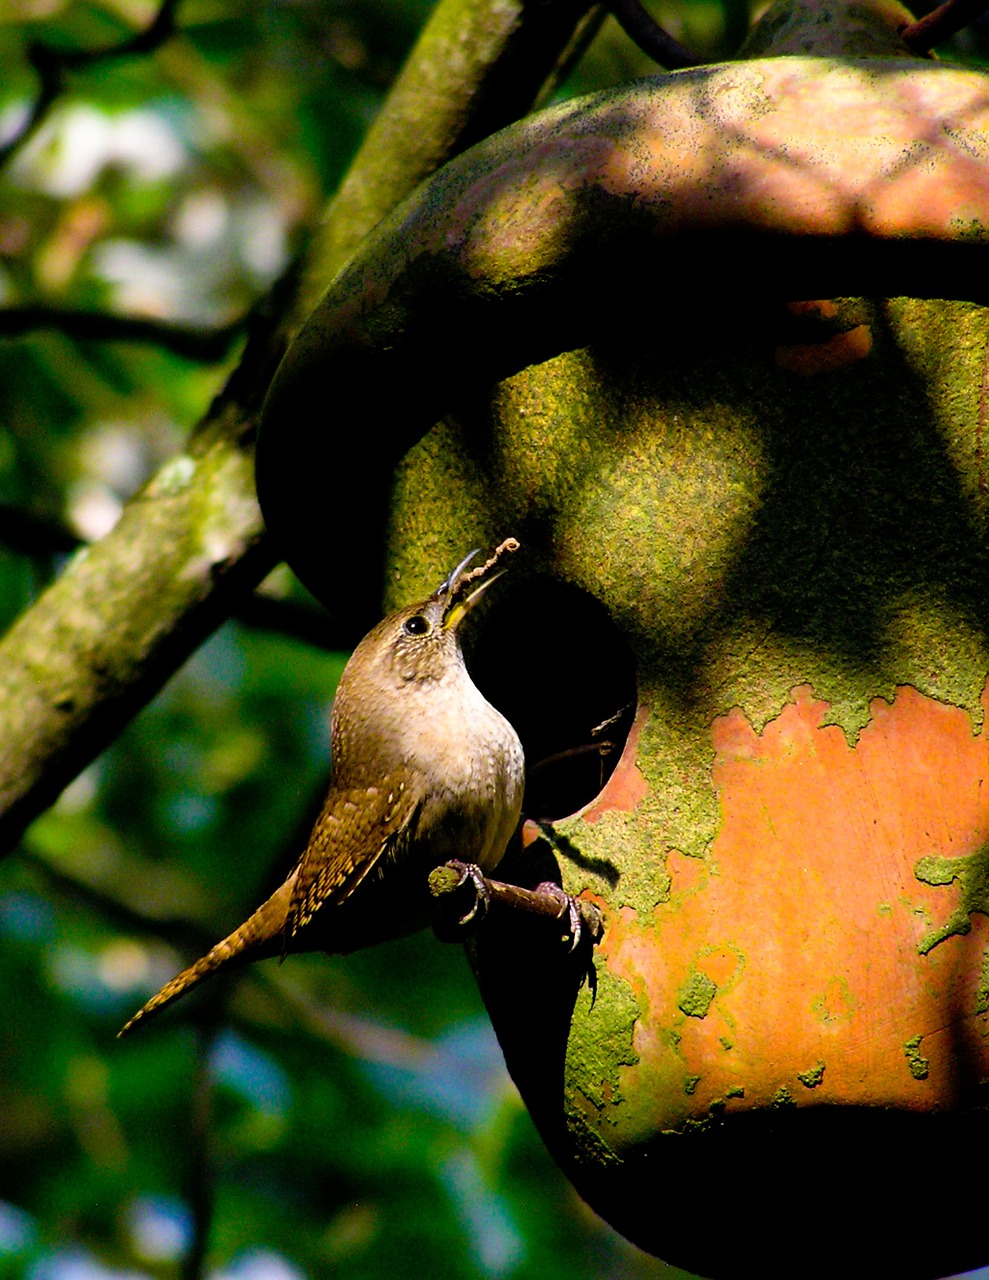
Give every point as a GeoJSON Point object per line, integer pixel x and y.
{"type": "Point", "coordinates": [350, 1115]}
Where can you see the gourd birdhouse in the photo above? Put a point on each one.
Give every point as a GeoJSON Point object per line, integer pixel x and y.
{"type": "Point", "coordinates": [713, 346]}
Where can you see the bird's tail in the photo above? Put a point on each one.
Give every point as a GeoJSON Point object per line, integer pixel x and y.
{"type": "Point", "coordinates": [260, 935]}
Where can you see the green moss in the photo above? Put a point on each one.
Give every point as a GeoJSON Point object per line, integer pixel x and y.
{"type": "Point", "coordinates": [836, 1003]}
{"type": "Point", "coordinates": [696, 995]}
{"type": "Point", "coordinates": [918, 1064]}
{"type": "Point", "coordinates": [783, 1099]}
{"type": "Point", "coordinates": [601, 1040]}
{"type": "Point", "coordinates": [587, 1145]}
{"type": "Point", "coordinates": [973, 872]}
{"type": "Point", "coordinates": [812, 1077]}
{"type": "Point", "coordinates": [736, 1092]}
{"type": "Point", "coordinates": [982, 990]}
{"type": "Point", "coordinates": [690, 1085]}
{"type": "Point", "coordinates": [622, 843]}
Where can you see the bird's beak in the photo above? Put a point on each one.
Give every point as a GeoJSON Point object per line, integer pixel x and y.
{"type": "Point", "coordinates": [462, 592]}
{"type": "Point", "coordinates": [458, 609]}
{"type": "Point", "coordinates": [450, 581]}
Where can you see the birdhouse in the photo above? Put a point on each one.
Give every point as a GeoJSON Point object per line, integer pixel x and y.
{"type": "Point", "coordinates": [713, 346]}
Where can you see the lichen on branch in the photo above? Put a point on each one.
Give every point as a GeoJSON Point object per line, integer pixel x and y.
{"type": "Point", "coordinates": [126, 612]}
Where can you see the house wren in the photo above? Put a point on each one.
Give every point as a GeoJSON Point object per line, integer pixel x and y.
{"type": "Point", "coordinates": [424, 770]}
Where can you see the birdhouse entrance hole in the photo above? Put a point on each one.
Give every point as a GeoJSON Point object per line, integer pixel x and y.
{"type": "Point", "coordinates": [552, 660]}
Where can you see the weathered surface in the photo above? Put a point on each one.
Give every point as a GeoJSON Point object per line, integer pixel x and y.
{"type": "Point", "coordinates": [790, 177]}
{"type": "Point", "coordinates": [780, 1068]}
{"type": "Point", "coordinates": [789, 528]}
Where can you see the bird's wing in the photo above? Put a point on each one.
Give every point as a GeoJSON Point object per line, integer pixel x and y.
{"type": "Point", "coordinates": [354, 830]}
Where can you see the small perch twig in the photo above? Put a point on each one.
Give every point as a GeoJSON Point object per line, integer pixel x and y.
{"type": "Point", "coordinates": [451, 877]}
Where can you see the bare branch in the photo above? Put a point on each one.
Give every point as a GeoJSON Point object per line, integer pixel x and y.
{"type": "Point", "coordinates": [190, 341]}
{"type": "Point", "coordinates": [652, 39]}
{"type": "Point", "coordinates": [453, 880]}
{"type": "Point", "coordinates": [941, 23]}
{"type": "Point", "coordinates": [53, 65]}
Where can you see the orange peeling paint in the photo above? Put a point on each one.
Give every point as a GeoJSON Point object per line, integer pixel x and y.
{"type": "Point", "coordinates": [808, 918]}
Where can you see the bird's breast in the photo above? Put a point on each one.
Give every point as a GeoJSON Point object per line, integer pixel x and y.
{"type": "Point", "coordinates": [474, 759]}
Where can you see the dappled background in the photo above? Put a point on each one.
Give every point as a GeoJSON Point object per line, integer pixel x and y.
{"type": "Point", "coordinates": [346, 1115]}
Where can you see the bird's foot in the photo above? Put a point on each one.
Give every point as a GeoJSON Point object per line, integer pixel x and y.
{"type": "Point", "coordinates": [471, 874]}
{"type": "Point", "coordinates": [568, 907]}
{"type": "Point", "coordinates": [466, 880]}
{"type": "Point", "coordinates": [547, 899]}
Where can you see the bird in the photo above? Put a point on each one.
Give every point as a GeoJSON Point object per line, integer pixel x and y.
{"type": "Point", "coordinates": [423, 770]}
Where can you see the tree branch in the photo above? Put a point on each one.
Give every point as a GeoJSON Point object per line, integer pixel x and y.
{"type": "Point", "coordinates": [129, 610]}
{"type": "Point", "coordinates": [29, 534]}
{"type": "Point", "coordinates": [477, 66]}
{"type": "Point", "coordinates": [190, 341]}
{"type": "Point", "coordinates": [645, 31]}
{"type": "Point", "coordinates": [53, 65]}
{"type": "Point", "coordinates": [940, 24]}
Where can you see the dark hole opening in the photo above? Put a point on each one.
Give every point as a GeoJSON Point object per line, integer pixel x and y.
{"type": "Point", "coordinates": [551, 659]}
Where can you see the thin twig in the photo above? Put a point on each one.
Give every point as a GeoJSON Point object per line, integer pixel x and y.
{"type": "Point", "coordinates": [479, 571]}
{"type": "Point", "coordinates": [191, 341]}
{"type": "Point", "coordinates": [651, 38]}
{"type": "Point", "coordinates": [53, 65]}
{"type": "Point", "coordinates": [941, 23]}
{"type": "Point", "coordinates": [451, 878]}
{"type": "Point", "coordinates": [359, 1036]}
{"type": "Point", "coordinates": [199, 1171]}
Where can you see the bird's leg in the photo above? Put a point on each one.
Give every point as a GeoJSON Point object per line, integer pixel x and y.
{"type": "Point", "coordinates": [547, 899]}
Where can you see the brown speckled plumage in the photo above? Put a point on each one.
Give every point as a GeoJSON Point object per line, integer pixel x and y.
{"type": "Point", "coordinates": [424, 769]}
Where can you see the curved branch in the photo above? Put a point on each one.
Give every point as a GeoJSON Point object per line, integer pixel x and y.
{"type": "Point", "coordinates": [645, 31]}
{"type": "Point", "coordinates": [940, 24]}
{"type": "Point", "coordinates": [53, 65]}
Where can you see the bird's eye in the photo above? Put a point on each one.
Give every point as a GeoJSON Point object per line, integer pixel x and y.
{"type": "Point", "coordinates": [417, 625]}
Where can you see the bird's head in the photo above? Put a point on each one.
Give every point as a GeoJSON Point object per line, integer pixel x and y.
{"type": "Point", "coordinates": [421, 642]}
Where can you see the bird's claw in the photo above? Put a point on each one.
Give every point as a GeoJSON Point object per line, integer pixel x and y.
{"type": "Point", "coordinates": [471, 873]}
{"type": "Point", "coordinates": [582, 919]}
{"type": "Point", "coordinates": [569, 908]}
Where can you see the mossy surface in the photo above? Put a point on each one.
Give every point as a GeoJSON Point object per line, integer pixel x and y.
{"type": "Point", "coordinates": [751, 531]}
{"type": "Point", "coordinates": [919, 1065]}
{"type": "Point", "coordinates": [766, 500]}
